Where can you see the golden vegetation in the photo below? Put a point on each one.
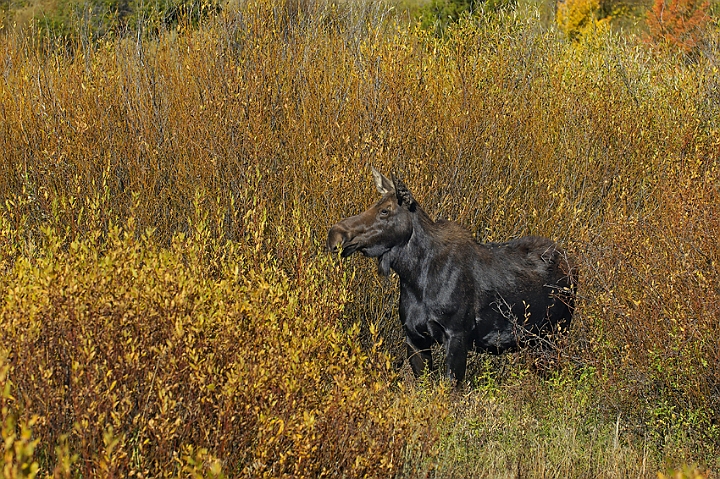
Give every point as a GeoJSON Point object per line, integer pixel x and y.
{"type": "Point", "coordinates": [579, 19]}
{"type": "Point", "coordinates": [167, 307]}
{"type": "Point", "coordinates": [154, 361]}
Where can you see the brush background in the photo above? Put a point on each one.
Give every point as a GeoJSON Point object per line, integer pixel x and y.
{"type": "Point", "coordinates": [167, 307]}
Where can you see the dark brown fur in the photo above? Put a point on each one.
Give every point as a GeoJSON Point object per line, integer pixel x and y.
{"type": "Point", "coordinates": [453, 290]}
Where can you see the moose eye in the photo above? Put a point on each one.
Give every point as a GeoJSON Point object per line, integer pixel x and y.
{"type": "Point", "coordinates": [384, 212]}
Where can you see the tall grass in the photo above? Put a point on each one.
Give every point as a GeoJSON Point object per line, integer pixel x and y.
{"type": "Point", "coordinates": [167, 308]}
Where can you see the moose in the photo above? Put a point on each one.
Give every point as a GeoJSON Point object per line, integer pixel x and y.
{"type": "Point", "coordinates": [465, 295]}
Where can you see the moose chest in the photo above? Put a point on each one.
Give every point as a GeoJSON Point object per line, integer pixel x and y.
{"type": "Point", "coordinates": [437, 305]}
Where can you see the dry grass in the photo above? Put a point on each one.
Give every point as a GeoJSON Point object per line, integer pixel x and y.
{"type": "Point", "coordinates": [167, 309]}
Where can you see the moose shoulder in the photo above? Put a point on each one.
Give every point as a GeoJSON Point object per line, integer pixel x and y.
{"type": "Point", "coordinates": [454, 291]}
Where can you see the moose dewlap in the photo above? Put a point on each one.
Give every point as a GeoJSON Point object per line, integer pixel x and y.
{"type": "Point", "coordinates": [491, 297]}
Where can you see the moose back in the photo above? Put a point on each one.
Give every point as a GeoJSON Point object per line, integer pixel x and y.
{"type": "Point", "coordinates": [454, 291]}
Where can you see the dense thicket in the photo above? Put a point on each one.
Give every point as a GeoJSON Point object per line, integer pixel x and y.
{"type": "Point", "coordinates": [167, 307]}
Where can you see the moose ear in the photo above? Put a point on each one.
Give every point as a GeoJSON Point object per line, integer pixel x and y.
{"type": "Point", "coordinates": [382, 184]}
{"type": "Point", "coordinates": [404, 196]}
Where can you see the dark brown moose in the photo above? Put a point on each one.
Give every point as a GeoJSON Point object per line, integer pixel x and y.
{"type": "Point", "coordinates": [454, 291]}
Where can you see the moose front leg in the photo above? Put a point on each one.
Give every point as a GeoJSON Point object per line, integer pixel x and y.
{"type": "Point", "coordinates": [419, 355]}
{"type": "Point", "coordinates": [456, 351]}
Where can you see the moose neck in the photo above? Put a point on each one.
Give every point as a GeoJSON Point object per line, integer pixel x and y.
{"type": "Point", "coordinates": [406, 259]}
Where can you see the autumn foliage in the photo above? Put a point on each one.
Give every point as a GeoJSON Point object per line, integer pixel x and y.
{"type": "Point", "coordinates": [581, 18]}
{"type": "Point", "coordinates": [680, 23]}
{"type": "Point", "coordinates": [167, 308]}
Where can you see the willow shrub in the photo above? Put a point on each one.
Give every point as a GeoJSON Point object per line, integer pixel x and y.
{"type": "Point", "coordinates": [133, 359]}
{"type": "Point", "coordinates": [269, 116]}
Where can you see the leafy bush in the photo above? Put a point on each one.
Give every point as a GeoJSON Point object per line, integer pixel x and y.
{"type": "Point", "coordinates": [581, 18]}
{"type": "Point", "coordinates": [439, 14]}
{"type": "Point", "coordinates": [140, 358]}
{"type": "Point", "coordinates": [679, 23]}
{"type": "Point", "coordinates": [74, 22]}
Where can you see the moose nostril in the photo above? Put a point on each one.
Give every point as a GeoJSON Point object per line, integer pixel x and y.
{"type": "Point", "coordinates": [335, 240]}
{"type": "Point", "coordinates": [334, 247]}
